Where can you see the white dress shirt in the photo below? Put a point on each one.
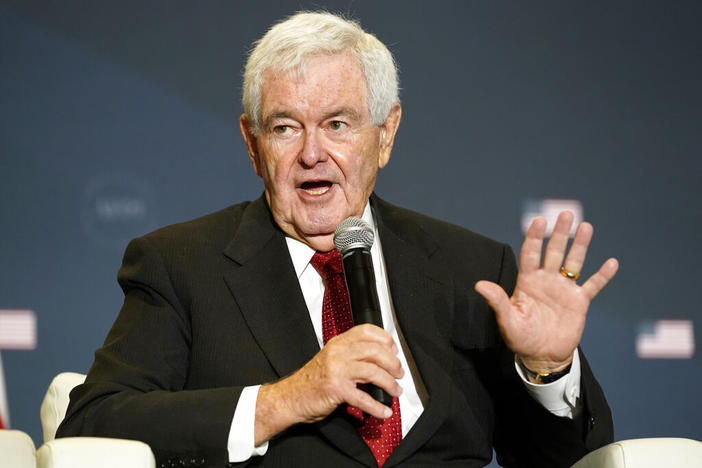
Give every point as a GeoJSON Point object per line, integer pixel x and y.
{"type": "Point", "coordinates": [559, 397]}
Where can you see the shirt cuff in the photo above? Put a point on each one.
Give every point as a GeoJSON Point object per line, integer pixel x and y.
{"type": "Point", "coordinates": [240, 443]}
{"type": "Point", "coordinates": [559, 397]}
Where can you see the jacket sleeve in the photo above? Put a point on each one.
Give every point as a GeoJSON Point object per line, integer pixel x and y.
{"type": "Point", "coordinates": [136, 387]}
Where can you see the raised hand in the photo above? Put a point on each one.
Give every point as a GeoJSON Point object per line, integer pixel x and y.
{"type": "Point", "coordinates": [543, 321]}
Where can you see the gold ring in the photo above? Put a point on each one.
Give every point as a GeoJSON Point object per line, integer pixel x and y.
{"type": "Point", "coordinates": [569, 275]}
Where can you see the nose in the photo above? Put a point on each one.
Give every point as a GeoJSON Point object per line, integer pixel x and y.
{"type": "Point", "coordinates": [312, 150]}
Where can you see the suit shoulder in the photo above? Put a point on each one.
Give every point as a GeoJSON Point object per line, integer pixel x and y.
{"type": "Point", "coordinates": [467, 254]}
{"type": "Point", "coordinates": [213, 230]}
{"type": "Point", "coordinates": [442, 232]}
{"type": "Point", "coordinates": [181, 249]}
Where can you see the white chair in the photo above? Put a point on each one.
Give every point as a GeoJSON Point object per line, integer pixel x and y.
{"type": "Point", "coordinates": [646, 453]}
{"type": "Point", "coordinates": [91, 452]}
{"type": "Point", "coordinates": [16, 450]}
{"type": "Point", "coordinates": [82, 452]}
{"type": "Point", "coordinates": [53, 408]}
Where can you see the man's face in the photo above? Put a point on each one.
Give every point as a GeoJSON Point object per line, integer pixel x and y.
{"type": "Point", "coordinates": [317, 150]}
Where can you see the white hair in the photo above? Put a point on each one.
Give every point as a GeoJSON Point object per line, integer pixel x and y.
{"type": "Point", "coordinates": [288, 44]}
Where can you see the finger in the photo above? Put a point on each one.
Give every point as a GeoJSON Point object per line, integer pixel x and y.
{"type": "Point", "coordinates": [578, 251]}
{"type": "Point", "coordinates": [600, 279]}
{"type": "Point", "coordinates": [366, 333]}
{"type": "Point", "coordinates": [555, 250]}
{"type": "Point", "coordinates": [379, 355]}
{"type": "Point", "coordinates": [367, 343]}
{"type": "Point", "coordinates": [494, 295]}
{"type": "Point", "coordinates": [369, 333]}
{"type": "Point", "coordinates": [530, 255]}
{"type": "Point", "coordinates": [364, 372]}
{"type": "Point", "coordinates": [363, 401]}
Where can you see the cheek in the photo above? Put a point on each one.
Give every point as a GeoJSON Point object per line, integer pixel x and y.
{"type": "Point", "coordinates": [360, 176]}
{"type": "Point", "coordinates": [368, 163]}
{"type": "Point", "coordinates": [274, 164]}
{"type": "Point", "coordinates": [358, 160]}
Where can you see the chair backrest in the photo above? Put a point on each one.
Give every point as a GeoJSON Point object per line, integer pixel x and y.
{"type": "Point", "coordinates": [53, 408]}
{"type": "Point", "coordinates": [16, 450]}
{"type": "Point", "coordinates": [646, 453]}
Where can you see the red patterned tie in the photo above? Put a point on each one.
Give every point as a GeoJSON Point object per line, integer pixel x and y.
{"type": "Point", "coordinates": [381, 435]}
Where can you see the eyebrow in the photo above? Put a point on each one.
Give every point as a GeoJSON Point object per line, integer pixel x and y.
{"type": "Point", "coordinates": [276, 115]}
{"type": "Point", "coordinates": [346, 111]}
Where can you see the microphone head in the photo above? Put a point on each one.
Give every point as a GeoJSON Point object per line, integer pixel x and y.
{"type": "Point", "coordinates": [353, 233]}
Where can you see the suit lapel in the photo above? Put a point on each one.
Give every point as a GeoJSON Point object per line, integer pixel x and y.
{"type": "Point", "coordinates": [422, 294]}
{"type": "Point", "coordinates": [264, 287]}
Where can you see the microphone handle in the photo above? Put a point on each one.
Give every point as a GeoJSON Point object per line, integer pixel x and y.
{"type": "Point", "coordinates": [365, 307]}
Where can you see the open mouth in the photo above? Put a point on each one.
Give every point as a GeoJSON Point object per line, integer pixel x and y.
{"type": "Point", "coordinates": [316, 187]}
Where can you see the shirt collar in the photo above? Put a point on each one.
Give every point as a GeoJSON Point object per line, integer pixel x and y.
{"type": "Point", "coordinates": [301, 253]}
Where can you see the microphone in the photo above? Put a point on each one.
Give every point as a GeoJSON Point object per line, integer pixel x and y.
{"type": "Point", "coordinates": [353, 238]}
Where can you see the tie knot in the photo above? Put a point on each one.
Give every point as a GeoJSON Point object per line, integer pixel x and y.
{"type": "Point", "coordinates": [327, 264]}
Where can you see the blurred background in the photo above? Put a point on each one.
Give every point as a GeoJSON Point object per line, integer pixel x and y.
{"type": "Point", "coordinates": [120, 117]}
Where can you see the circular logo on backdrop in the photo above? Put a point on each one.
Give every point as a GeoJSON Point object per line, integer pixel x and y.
{"type": "Point", "coordinates": [117, 208]}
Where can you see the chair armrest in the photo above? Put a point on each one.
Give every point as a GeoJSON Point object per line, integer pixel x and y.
{"type": "Point", "coordinates": [53, 408]}
{"type": "Point", "coordinates": [17, 449]}
{"type": "Point", "coordinates": [90, 452]}
{"type": "Point", "coordinates": [645, 453]}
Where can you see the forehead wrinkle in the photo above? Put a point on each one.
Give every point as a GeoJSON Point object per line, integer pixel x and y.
{"type": "Point", "coordinates": [296, 84]}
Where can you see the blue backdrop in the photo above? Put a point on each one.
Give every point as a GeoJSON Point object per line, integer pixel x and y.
{"type": "Point", "coordinates": [120, 117]}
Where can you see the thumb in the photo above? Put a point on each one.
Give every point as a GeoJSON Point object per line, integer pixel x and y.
{"type": "Point", "coordinates": [494, 295]}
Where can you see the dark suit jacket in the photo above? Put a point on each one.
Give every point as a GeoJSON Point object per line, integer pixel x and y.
{"type": "Point", "coordinates": [213, 305]}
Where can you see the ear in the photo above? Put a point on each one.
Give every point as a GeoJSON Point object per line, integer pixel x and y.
{"type": "Point", "coordinates": [387, 135]}
{"type": "Point", "coordinates": [251, 143]}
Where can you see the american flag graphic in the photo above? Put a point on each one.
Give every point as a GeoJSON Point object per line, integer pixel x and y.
{"type": "Point", "coordinates": [666, 339]}
{"type": "Point", "coordinates": [4, 410]}
{"type": "Point", "coordinates": [18, 330]}
{"type": "Point", "coordinates": [549, 209]}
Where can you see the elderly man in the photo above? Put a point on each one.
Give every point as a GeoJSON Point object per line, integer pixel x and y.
{"type": "Point", "coordinates": [234, 344]}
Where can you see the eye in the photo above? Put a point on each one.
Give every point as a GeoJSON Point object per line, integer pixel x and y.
{"type": "Point", "coordinates": [337, 125]}
{"type": "Point", "coordinates": [282, 130]}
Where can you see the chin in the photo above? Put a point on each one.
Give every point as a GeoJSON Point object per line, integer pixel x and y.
{"type": "Point", "coordinates": [319, 224]}
{"type": "Point", "coordinates": [319, 230]}
{"type": "Point", "coordinates": [321, 243]}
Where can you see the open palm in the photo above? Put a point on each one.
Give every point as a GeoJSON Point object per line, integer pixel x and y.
{"type": "Point", "coordinates": [544, 319]}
